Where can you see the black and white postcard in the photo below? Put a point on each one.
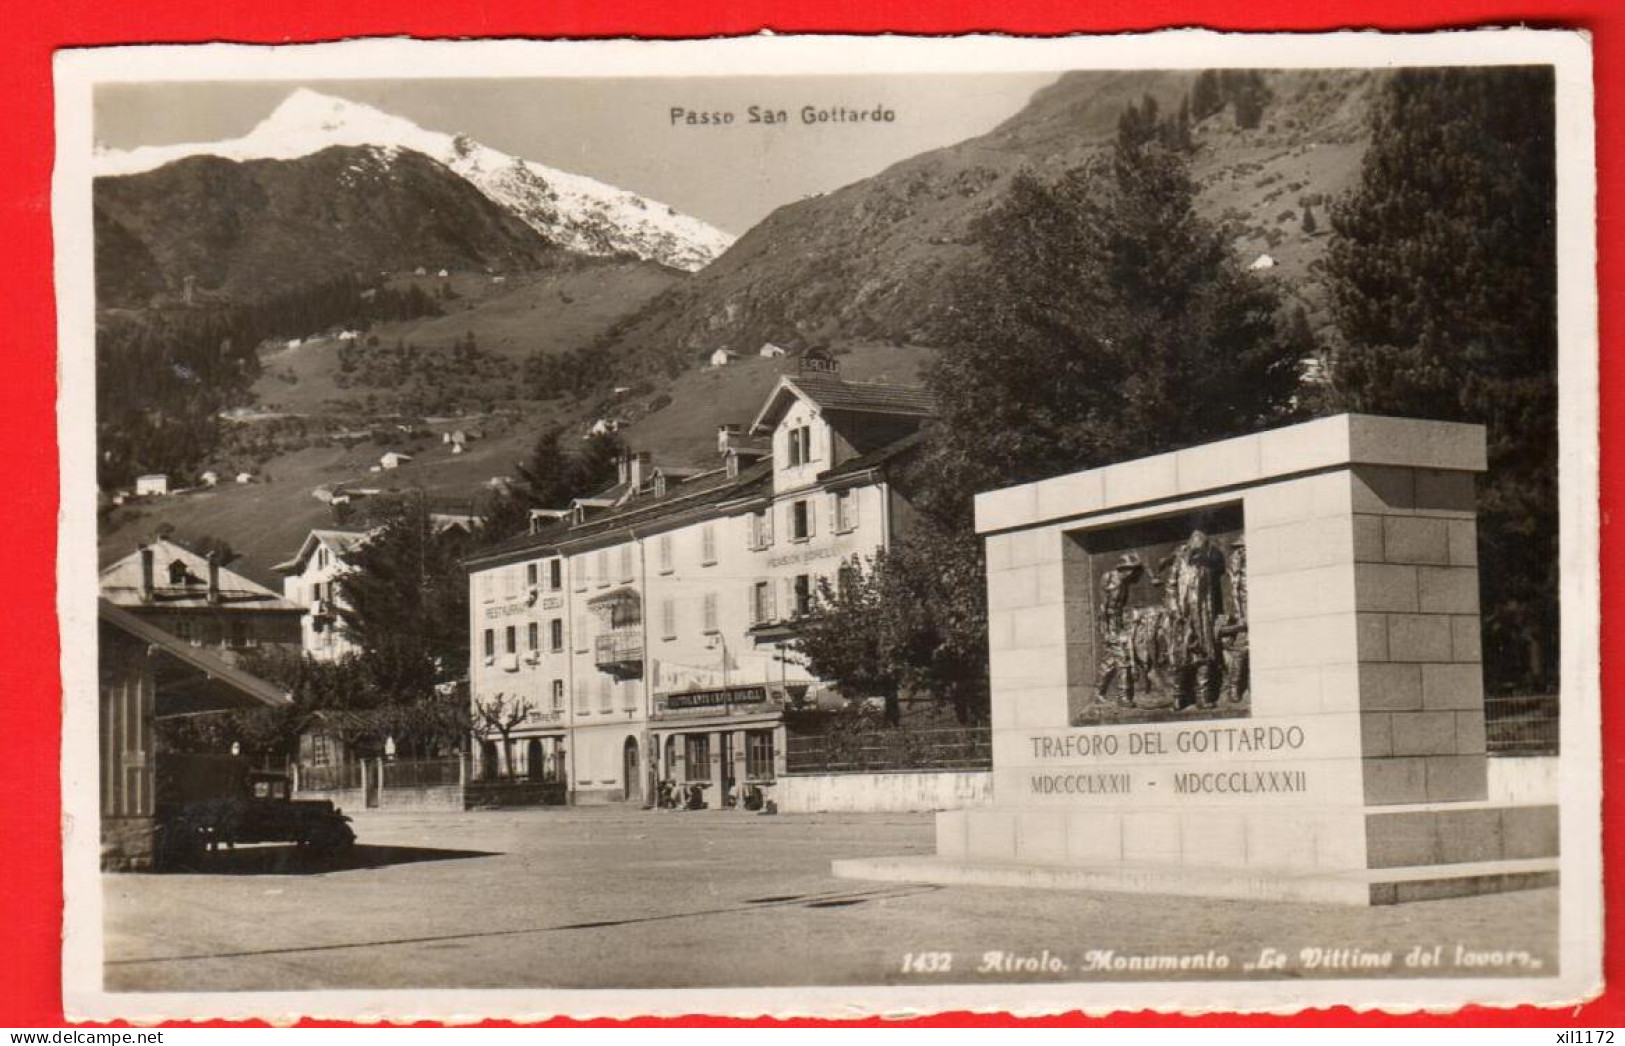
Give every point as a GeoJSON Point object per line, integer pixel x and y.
{"type": "Point", "coordinates": [829, 526]}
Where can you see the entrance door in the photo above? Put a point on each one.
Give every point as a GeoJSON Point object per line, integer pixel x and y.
{"type": "Point", "coordinates": [371, 778]}
{"type": "Point", "coordinates": [726, 797]}
{"type": "Point", "coordinates": [631, 788]}
{"type": "Point", "coordinates": [535, 766]}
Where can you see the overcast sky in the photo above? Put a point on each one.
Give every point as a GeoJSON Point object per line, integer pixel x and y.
{"type": "Point", "coordinates": [621, 131]}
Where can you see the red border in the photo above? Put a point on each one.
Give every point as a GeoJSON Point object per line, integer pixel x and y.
{"type": "Point", "coordinates": [31, 899]}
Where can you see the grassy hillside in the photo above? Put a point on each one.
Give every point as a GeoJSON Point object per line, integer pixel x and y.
{"type": "Point", "coordinates": [876, 259]}
{"type": "Point", "coordinates": [566, 304]}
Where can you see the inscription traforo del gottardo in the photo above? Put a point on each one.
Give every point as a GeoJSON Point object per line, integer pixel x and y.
{"type": "Point", "coordinates": [1203, 740]}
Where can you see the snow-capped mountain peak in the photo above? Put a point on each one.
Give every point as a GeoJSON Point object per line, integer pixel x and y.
{"type": "Point", "coordinates": [572, 210]}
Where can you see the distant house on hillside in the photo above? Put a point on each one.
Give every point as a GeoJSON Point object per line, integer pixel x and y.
{"type": "Point", "coordinates": [393, 459]}
{"type": "Point", "coordinates": [723, 357]}
{"type": "Point", "coordinates": [152, 485]}
{"type": "Point", "coordinates": [245, 477]}
{"type": "Point", "coordinates": [209, 478]}
{"type": "Point", "coordinates": [771, 351]}
{"type": "Point", "coordinates": [1263, 261]}
{"type": "Point", "coordinates": [604, 426]}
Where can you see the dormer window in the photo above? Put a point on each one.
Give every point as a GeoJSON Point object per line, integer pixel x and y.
{"type": "Point", "coordinates": [178, 574]}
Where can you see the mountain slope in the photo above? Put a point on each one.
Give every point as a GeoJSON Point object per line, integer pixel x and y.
{"type": "Point", "coordinates": [876, 259]}
{"type": "Point", "coordinates": [247, 230]}
{"type": "Point", "coordinates": [571, 210]}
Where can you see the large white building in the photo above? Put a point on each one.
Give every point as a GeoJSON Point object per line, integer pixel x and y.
{"type": "Point", "coordinates": [648, 635]}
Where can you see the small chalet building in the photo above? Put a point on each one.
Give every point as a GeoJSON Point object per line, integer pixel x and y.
{"type": "Point", "coordinates": [192, 597]}
{"type": "Point", "coordinates": [723, 357]}
{"type": "Point", "coordinates": [649, 631]}
{"type": "Point", "coordinates": [771, 351]}
{"type": "Point", "coordinates": [152, 485]}
{"type": "Point", "coordinates": [210, 478]}
{"type": "Point", "coordinates": [393, 459]}
{"type": "Point", "coordinates": [311, 580]}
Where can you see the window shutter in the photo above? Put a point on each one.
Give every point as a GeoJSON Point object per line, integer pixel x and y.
{"type": "Point", "coordinates": [812, 516]}
{"type": "Point", "coordinates": [772, 604]}
{"type": "Point", "coordinates": [767, 525]}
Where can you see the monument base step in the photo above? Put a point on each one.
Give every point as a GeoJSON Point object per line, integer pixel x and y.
{"type": "Point", "coordinates": [1360, 887]}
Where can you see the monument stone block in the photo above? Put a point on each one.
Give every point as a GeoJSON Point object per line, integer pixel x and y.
{"type": "Point", "coordinates": [1249, 668]}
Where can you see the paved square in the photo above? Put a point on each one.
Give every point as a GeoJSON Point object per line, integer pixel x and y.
{"type": "Point", "coordinates": [610, 897]}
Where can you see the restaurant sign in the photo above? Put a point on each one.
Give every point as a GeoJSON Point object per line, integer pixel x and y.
{"type": "Point", "coordinates": [720, 698]}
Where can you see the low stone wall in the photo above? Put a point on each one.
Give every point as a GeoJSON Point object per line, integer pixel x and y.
{"type": "Point", "coordinates": [882, 793]}
{"type": "Point", "coordinates": [480, 795]}
{"type": "Point", "coordinates": [438, 797]}
{"type": "Point", "coordinates": [1522, 779]}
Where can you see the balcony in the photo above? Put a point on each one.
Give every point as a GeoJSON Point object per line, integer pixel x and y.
{"type": "Point", "coordinates": [620, 653]}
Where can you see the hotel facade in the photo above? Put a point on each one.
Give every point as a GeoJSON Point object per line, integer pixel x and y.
{"type": "Point", "coordinates": [647, 634]}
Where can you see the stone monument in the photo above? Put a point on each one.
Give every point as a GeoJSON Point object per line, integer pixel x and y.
{"type": "Point", "coordinates": [1249, 668]}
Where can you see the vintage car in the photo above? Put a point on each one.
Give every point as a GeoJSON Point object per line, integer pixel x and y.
{"type": "Point", "coordinates": [209, 802]}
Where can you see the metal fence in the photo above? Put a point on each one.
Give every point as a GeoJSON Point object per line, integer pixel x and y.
{"type": "Point", "coordinates": [890, 751]}
{"type": "Point", "coordinates": [1521, 724]}
{"type": "Point", "coordinates": [421, 773]}
{"type": "Point", "coordinates": [332, 777]}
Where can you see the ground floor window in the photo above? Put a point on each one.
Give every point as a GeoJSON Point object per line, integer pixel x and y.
{"type": "Point", "coordinates": [697, 754]}
{"type": "Point", "coordinates": [759, 755]}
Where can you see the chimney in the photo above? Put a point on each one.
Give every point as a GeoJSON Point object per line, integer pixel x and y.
{"type": "Point", "coordinates": [146, 574]}
{"type": "Point", "coordinates": [725, 434]}
{"type": "Point", "coordinates": [214, 577]}
{"type": "Point", "coordinates": [638, 469]}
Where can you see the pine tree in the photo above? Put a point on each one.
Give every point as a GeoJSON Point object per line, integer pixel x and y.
{"type": "Point", "coordinates": [406, 601]}
{"type": "Point", "coordinates": [1309, 225]}
{"type": "Point", "coordinates": [550, 476]}
{"type": "Point", "coordinates": [1442, 270]}
{"type": "Point", "coordinates": [1206, 98]}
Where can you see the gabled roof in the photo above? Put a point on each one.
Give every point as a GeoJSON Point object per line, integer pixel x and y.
{"type": "Point", "coordinates": [223, 686]}
{"type": "Point", "coordinates": [874, 459]}
{"type": "Point", "coordinates": [121, 583]}
{"type": "Point", "coordinates": [339, 542]}
{"type": "Point", "coordinates": [828, 392]}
